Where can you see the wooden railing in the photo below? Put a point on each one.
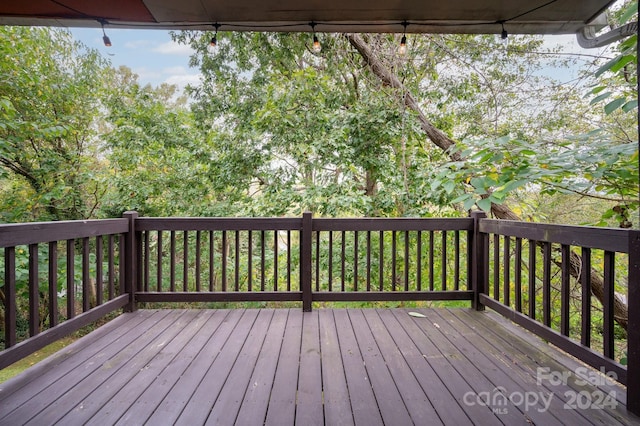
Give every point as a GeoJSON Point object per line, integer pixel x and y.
{"type": "Point", "coordinates": [523, 271]}
{"type": "Point", "coordinates": [76, 262]}
{"type": "Point", "coordinates": [527, 269]}
{"type": "Point", "coordinates": [306, 259]}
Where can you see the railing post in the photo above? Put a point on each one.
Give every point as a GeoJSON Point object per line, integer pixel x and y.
{"type": "Point", "coordinates": [478, 260]}
{"type": "Point", "coordinates": [633, 326]}
{"type": "Point", "coordinates": [130, 261]}
{"type": "Point", "coordinates": [305, 261]}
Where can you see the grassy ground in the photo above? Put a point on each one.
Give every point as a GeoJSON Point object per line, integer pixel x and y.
{"type": "Point", "coordinates": [23, 364]}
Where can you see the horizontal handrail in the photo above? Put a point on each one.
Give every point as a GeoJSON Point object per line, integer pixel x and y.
{"type": "Point", "coordinates": [610, 239]}
{"type": "Point", "coordinates": [393, 224]}
{"type": "Point", "coordinates": [12, 235]}
{"type": "Point", "coordinates": [216, 224]}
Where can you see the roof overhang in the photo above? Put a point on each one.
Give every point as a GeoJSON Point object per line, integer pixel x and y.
{"type": "Point", "coordinates": [422, 16]}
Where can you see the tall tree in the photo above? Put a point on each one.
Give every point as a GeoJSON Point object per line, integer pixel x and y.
{"type": "Point", "coordinates": [49, 98]}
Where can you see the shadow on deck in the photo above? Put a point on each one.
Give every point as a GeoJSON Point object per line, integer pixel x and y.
{"type": "Point", "coordinates": [329, 366]}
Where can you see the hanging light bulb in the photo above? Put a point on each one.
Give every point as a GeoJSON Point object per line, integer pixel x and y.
{"type": "Point", "coordinates": [402, 49]}
{"type": "Point", "coordinates": [214, 40]}
{"type": "Point", "coordinates": [504, 33]}
{"type": "Point", "coordinates": [105, 38]}
{"type": "Point", "coordinates": [316, 47]}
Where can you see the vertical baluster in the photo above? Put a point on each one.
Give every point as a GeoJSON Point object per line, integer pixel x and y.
{"type": "Point", "coordinates": [368, 260]}
{"type": "Point", "coordinates": [86, 277]}
{"type": "Point", "coordinates": [585, 280]}
{"type": "Point", "coordinates": [507, 271]}
{"type": "Point", "coordinates": [111, 266]}
{"type": "Point", "coordinates": [71, 285]}
{"type": "Point", "coordinates": [565, 290]}
{"type": "Point", "coordinates": [212, 269]}
{"type": "Point", "coordinates": [172, 262]}
{"type": "Point", "coordinates": [546, 284]}
{"type": "Point", "coordinates": [275, 260]}
{"type": "Point", "coordinates": [355, 260]}
{"type": "Point", "coordinates": [34, 293]}
{"type": "Point", "coordinates": [224, 261]}
{"type": "Point", "coordinates": [419, 261]}
{"type": "Point", "coordinates": [517, 268]}
{"type": "Point", "coordinates": [198, 260]}
{"type": "Point", "coordinates": [406, 260]}
{"type": "Point", "coordinates": [53, 283]}
{"type": "Point", "coordinates": [10, 297]}
{"type": "Point", "coordinates": [456, 271]}
{"type": "Point", "coordinates": [159, 263]}
{"type": "Point", "coordinates": [99, 256]}
{"type": "Point", "coordinates": [185, 261]}
{"type": "Point", "coordinates": [236, 274]}
{"type": "Point", "coordinates": [122, 270]}
{"type": "Point", "coordinates": [288, 260]}
{"type": "Point", "coordinates": [317, 235]}
{"type": "Point", "coordinates": [250, 261]}
{"type": "Point", "coordinates": [608, 306]}
{"type": "Point", "coordinates": [496, 267]}
{"type": "Point", "coordinates": [381, 261]}
{"type": "Point", "coordinates": [443, 275]}
{"type": "Point", "coordinates": [394, 248]}
{"type": "Point", "coordinates": [111, 262]}
{"type": "Point", "coordinates": [532, 279]}
{"type": "Point", "coordinates": [262, 261]}
{"type": "Point", "coordinates": [431, 261]}
{"type": "Point", "coordinates": [342, 257]}
{"type": "Point", "coordinates": [147, 260]}
{"type": "Point", "coordinates": [330, 267]}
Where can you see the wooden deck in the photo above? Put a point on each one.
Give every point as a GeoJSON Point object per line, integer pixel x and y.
{"type": "Point", "coordinates": [280, 367]}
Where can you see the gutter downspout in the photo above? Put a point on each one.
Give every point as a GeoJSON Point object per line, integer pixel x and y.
{"type": "Point", "coordinates": [587, 36]}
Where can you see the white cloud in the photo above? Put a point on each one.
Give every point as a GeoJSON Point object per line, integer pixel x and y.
{"type": "Point", "coordinates": [174, 70]}
{"type": "Point", "coordinates": [173, 48]}
{"type": "Point", "coordinates": [181, 80]}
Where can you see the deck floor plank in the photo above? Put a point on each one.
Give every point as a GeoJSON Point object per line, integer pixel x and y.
{"type": "Point", "coordinates": [227, 404]}
{"type": "Point", "coordinates": [493, 367]}
{"type": "Point", "coordinates": [201, 402]}
{"type": "Point", "coordinates": [256, 399]}
{"type": "Point", "coordinates": [401, 405]}
{"type": "Point", "coordinates": [524, 363]}
{"type": "Point", "coordinates": [181, 392]}
{"type": "Point", "coordinates": [89, 374]}
{"type": "Point", "coordinates": [143, 405]}
{"type": "Point", "coordinates": [471, 371]}
{"type": "Point", "coordinates": [112, 375]}
{"type": "Point", "coordinates": [337, 406]}
{"type": "Point", "coordinates": [283, 366]}
{"type": "Point", "coordinates": [81, 355]}
{"type": "Point", "coordinates": [282, 401]}
{"type": "Point", "coordinates": [363, 400]}
{"type": "Point", "coordinates": [394, 339]}
{"type": "Point", "coordinates": [309, 410]}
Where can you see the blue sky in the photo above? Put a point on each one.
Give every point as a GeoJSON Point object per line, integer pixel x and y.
{"type": "Point", "coordinates": [149, 53]}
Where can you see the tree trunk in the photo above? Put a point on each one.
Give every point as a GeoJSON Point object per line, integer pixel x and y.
{"type": "Point", "coordinates": [442, 141]}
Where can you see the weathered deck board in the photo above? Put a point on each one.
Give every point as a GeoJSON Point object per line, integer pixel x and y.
{"type": "Point", "coordinates": [342, 366]}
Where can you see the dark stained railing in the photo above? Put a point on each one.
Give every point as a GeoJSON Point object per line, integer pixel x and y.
{"type": "Point", "coordinates": [565, 283]}
{"type": "Point", "coordinates": [77, 262]}
{"type": "Point", "coordinates": [540, 276]}
{"type": "Point", "coordinates": [392, 259]}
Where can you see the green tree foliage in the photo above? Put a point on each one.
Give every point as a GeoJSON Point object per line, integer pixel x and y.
{"type": "Point", "coordinates": [49, 98]}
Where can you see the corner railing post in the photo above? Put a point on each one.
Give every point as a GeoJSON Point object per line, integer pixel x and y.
{"type": "Point", "coordinates": [633, 326]}
{"type": "Point", "coordinates": [305, 261]}
{"type": "Point", "coordinates": [478, 259]}
{"type": "Point", "coordinates": [130, 259]}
